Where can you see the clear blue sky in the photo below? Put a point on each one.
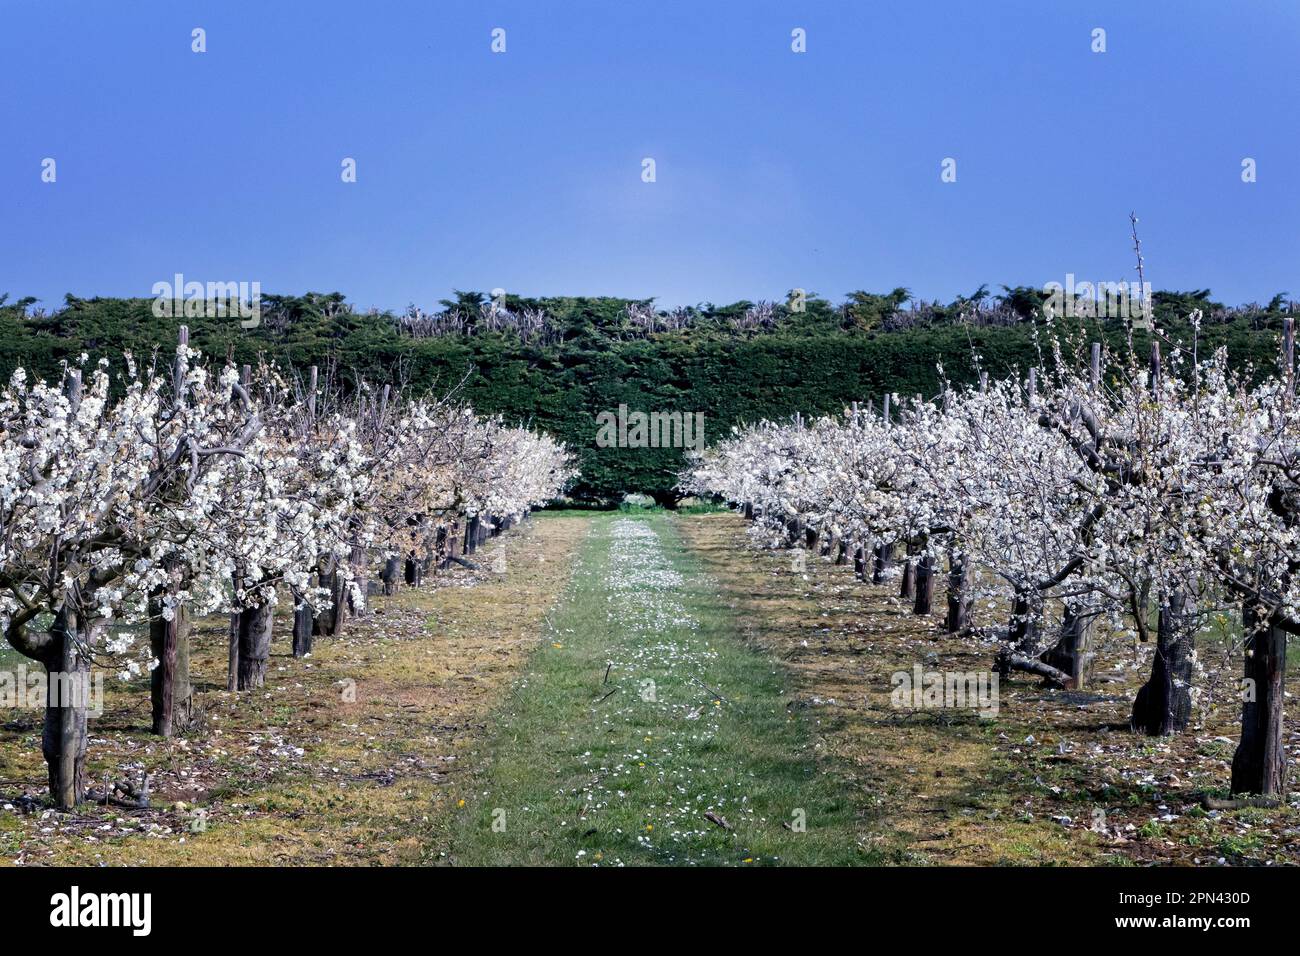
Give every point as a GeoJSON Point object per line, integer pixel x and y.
{"type": "Point", "coordinates": [522, 170]}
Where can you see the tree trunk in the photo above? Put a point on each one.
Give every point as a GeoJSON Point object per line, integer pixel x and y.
{"type": "Point", "coordinates": [959, 596]}
{"type": "Point", "coordinates": [413, 572]}
{"type": "Point", "coordinates": [881, 564]}
{"type": "Point", "coordinates": [169, 684]}
{"type": "Point", "coordinates": [392, 571]}
{"type": "Point", "coordinates": [329, 620]}
{"type": "Point", "coordinates": [255, 626]}
{"type": "Point", "coordinates": [1163, 705]}
{"type": "Point", "coordinates": [924, 585]}
{"type": "Point", "coordinates": [860, 562]}
{"type": "Point", "coordinates": [1021, 626]}
{"type": "Point", "coordinates": [453, 543]}
{"type": "Point", "coordinates": [1072, 653]}
{"type": "Point", "coordinates": [67, 689]}
{"type": "Point", "coordinates": [1259, 765]}
{"type": "Point", "coordinates": [304, 628]}
{"type": "Point", "coordinates": [809, 539]}
{"type": "Point", "coordinates": [471, 535]}
{"type": "Point", "coordinates": [907, 587]}
{"type": "Point", "coordinates": [1022, 632]}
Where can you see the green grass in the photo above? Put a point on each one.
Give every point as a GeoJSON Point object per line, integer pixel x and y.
{"type": "Point", "coordinates": [581, 771]}
{"type": "Point", "coordinates": [10, 658]}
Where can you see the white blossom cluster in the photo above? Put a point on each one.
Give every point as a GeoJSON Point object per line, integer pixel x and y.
{"type": "Point", "coordinates": [179, 485]}
{"type": "Point", "coordinates": [1109, 491]}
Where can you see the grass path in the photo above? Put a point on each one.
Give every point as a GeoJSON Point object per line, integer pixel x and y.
{"type": "Point", "coordinates": [642, 725]}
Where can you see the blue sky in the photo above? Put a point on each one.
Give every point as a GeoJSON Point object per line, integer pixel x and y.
{"type": "Point", "coordinates": [522, 170]}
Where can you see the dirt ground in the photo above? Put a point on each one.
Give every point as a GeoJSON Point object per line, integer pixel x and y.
{"type": "Point", "coordinates": [296, 773]}
{"type": "Point", "coordinates": [1056, 777]}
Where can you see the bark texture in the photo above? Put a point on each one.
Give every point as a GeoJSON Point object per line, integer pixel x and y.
{"type": "Point", "coordinates": [1259, 765]}
{"type": "Point", "coordinates": [255, 625]}
{"type": "Point", "coordinates": [170, 691]}
{"type": "Point", "coordinates": [1164, 703]}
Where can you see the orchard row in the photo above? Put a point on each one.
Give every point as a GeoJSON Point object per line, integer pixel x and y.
{"type": "Point", "coordinates": [1102, 487]}
{"type": "Point", "coordinates": [161, 490]}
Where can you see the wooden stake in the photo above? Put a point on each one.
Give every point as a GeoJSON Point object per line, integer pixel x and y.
{"type": "Point", "coordinates": [1288, 356]}
{"type": "Point", "coordinates": [178, 375]}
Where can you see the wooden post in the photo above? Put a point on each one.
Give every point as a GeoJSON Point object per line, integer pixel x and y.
{"type": "Point", "coordinates": [64, 736]}
{"type": "Point", "coordinates": [72, 389]}
{"type": "Point", "coordinates": [170, 693]}
{"type": "Point", "coordinates": [924, 584]}
{"type": "Point", "coordinates": [1288, 356]}
{"type": "Point", "coordinates": [1095, 377]}
{"type": "Point", "coordinates": [311, 397]}
{"type": "Point", "coordinates": [303, 627]}
{"type": "Point", "coordinates": [1033, 384]}
{"type": "Point", "coordinates": [237, 620]}
{"type": "Point", "coordinates": [886, 408]}
{"type": "Point", "coordinates": [232, 661]}
{"type": "Point", "coordinates": [959, 596]}
{"type": "Point", "coordinates": [1155, 368]}
{"type": "Point", "coordinates": [178, 369]}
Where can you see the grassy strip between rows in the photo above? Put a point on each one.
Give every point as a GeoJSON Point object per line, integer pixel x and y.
{"type": "Point", "coordinates": [628, 767]}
